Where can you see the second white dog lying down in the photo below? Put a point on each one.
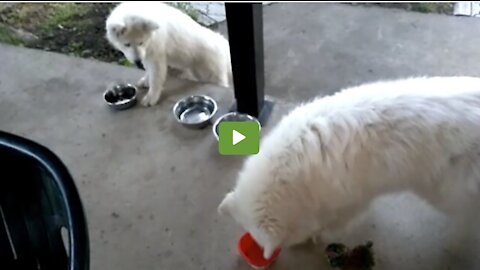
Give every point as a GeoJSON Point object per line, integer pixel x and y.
{"type": "Point", "coordinates": [328, 159]}
{"type": "Point", "coordinates": [159, 36]}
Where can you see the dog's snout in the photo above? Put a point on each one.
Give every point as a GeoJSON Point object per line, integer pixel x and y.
{"type": "Point", "coordinates": [139, 64]}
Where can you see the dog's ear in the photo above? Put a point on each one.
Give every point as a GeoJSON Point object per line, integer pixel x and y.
{"type": "Point", "coordinates": [138, 22]}
{"type": "Point", "coordinates": [149, 26]}
{"type": "Point", "coordinates": [271, 246]}
{"type": "Point", "coordinates": [226, 205]}
{"type": "Point", "coordinates": [117, 28]}
{"type": "Point", "coordinates": [268, 251]}
{"type": "Point", "coordinates": [273, 236]}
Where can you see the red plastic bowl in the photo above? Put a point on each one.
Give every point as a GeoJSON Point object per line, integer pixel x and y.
{"type": "Point", "coordinates": [253, 253]}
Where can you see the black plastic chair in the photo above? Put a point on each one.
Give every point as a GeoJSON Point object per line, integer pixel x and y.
{"type": "Point", "coordinates": [38, 199]}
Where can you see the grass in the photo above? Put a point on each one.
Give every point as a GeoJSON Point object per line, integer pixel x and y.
{"type": "Point", "coordinates": [438, 7]}
{"type": "Point", "coordinates": [38, 17]}
{"type": "Point", "coordinates": [9, 37]}
{"type": "Point", "coordinates": [446, 8]}
{"type": "Point", "coordinates": [66, 12]}
{"type": "Point", "coordinates": [423, 7]}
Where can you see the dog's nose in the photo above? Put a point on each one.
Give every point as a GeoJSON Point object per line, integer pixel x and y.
{"type": "Point", "coordinates": [139, 64]}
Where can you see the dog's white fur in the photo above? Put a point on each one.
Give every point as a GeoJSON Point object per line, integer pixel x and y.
{"type": "Point", "coordinates": [328, 159]}
{"type": "Point", "coordinates": [161, 36]}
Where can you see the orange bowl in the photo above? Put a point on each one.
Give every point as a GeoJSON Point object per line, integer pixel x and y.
{"type": "Point", "coordinates": [253, 253]}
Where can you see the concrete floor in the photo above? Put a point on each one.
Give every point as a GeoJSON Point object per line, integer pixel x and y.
{"type": "Point", "coordinates": [317, 48]}
{"type": "Point", "coordinates": [151, 187]}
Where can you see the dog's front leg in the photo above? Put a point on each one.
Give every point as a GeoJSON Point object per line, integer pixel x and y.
{"type": "Point", "coordinates": [157, 73]}
{"type": "Point", "coordinates": [188, 75]}
{"type": "Point", "coordinates": [143, 82]}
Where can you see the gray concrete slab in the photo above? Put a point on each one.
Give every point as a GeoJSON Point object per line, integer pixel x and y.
{"type": "Point", "coordinates": [332, 46]}
{"type": "Point", "coordinates": [151, 187]}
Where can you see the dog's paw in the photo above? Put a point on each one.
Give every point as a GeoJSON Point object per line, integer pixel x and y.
{"type": "Point", "coordinates": [150, 99]}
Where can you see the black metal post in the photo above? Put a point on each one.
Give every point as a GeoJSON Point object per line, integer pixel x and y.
{"type": "Point", "coordinates": [245, 32]}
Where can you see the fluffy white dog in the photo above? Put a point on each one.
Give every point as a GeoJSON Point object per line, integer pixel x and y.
{"type": "Point", "coordinates": [328, 159]}
{"type": "Point", "coordinates": [157, 36]}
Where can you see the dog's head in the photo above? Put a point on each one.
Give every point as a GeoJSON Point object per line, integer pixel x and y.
{"type": "Point", "coordinates": [256, 212]}
{"type": "Point", "coordinates": [132, 36]}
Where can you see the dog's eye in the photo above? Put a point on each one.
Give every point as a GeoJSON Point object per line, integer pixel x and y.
{"type": "Point", "coordinates": [127, 45]}
{"type": "Point", "coordinates": [140, 44]}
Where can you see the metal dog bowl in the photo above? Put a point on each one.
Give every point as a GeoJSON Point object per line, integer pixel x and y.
{"type": "Point", "coordinates": [195, 111]}
{"type": "Point", "coordinates": [233, 117]}
{"type": "Point", "coordinates": [121, 96]}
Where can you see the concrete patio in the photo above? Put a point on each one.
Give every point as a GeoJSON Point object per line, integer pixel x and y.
{"type": "Point", "coordinates": [151, 187]}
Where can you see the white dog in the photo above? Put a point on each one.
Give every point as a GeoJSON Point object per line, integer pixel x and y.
{"type": "Point", "coordinates": [328, 159]}
{"type": "Point", "coordinates": [157, 36]}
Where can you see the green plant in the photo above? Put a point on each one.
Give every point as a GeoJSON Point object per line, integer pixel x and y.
{"type": "Point", "coordinates": [423, 7]}
{"type": "Point", "coordinates": [65, 12]}
{"type": "Point", "coordinates": [8, 36]}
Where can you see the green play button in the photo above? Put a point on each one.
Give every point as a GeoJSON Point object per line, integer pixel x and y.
{"type": "Point", "coordinates": [239, 138]}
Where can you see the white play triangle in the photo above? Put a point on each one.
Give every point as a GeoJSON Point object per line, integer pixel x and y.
{"type": "Point", "coordinates": [237, 137]}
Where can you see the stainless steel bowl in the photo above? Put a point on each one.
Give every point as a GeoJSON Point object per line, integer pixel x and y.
{"type": "Point", "coordinates": [233, 117]}
{"type": "Point", "coordinates": [195, 111]}
{"type": "Point", "coordinates": [121, 96]}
